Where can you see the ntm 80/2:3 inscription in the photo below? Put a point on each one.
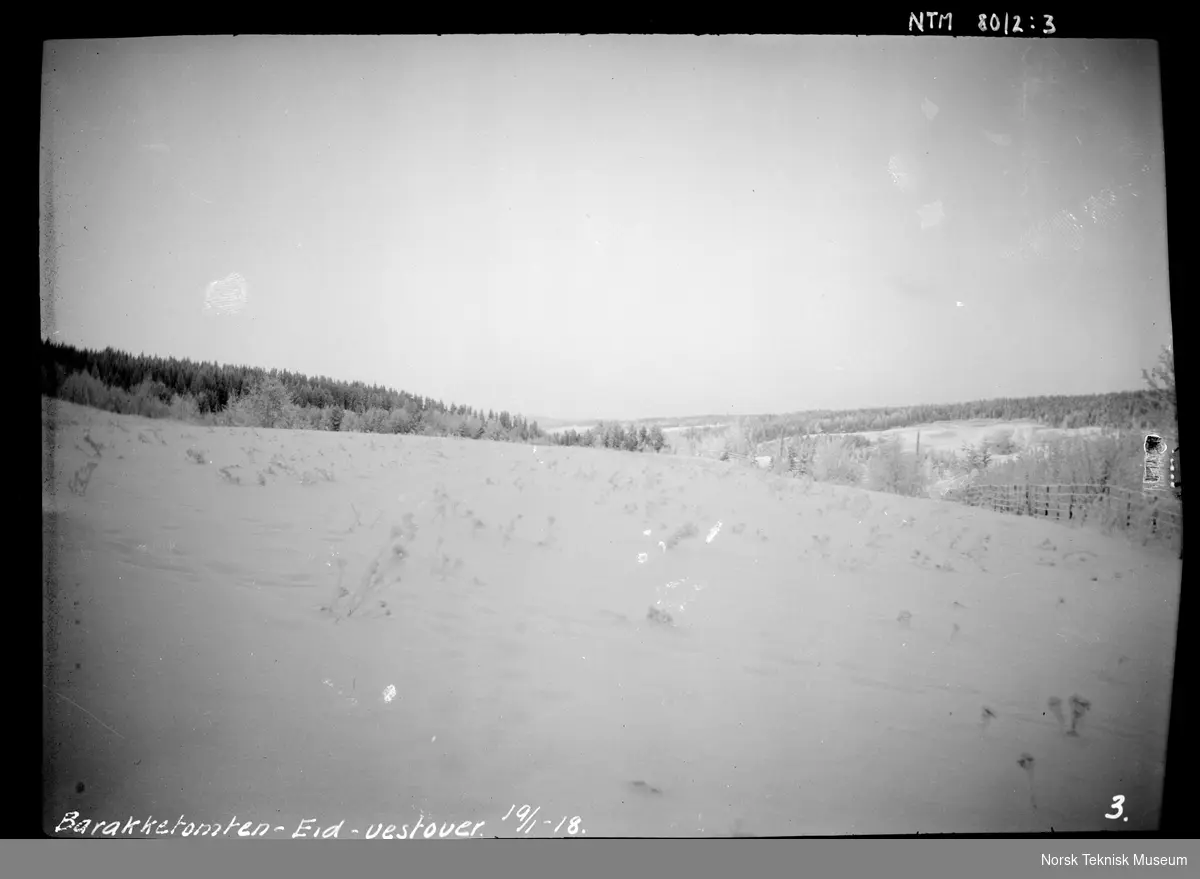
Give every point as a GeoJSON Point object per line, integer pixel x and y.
{"type": "Point", "coordinates": [1017, 25]}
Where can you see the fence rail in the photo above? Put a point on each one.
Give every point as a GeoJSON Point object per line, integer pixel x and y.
{"type": "Point", "coordinates": [1153, 517]}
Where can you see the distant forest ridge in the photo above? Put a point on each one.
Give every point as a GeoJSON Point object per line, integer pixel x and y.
{"type": "Point", "coordinates": [1116, 409]}
{"type": "Point", "coordinates": [212, 386]}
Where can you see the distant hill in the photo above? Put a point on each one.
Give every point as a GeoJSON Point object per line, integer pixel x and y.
{"type": "Point", "coordinates": [144, 384]}
{"type": "Point", "coordinates": [155, 386]}
{"type": "Point", "coordinates": [1119, 409]}
{"type": "Point", "coordinates": [553, 423]}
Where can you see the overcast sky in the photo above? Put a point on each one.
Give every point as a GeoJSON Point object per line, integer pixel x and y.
{"type": "Point", "coordinates": [618, 227]}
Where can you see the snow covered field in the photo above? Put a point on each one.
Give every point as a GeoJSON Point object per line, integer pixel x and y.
{"type": "Point", "coordinates": [284, 625]}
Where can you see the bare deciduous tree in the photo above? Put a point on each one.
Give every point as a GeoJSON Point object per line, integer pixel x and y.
{"type": "Point", "coordinates": [1161, 381]}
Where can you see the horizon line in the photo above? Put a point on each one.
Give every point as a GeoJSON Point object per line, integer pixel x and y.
{"type": "Point", "coordinates": [588, 422]}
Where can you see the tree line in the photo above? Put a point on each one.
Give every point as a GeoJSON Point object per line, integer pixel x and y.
{"type": "Point", "coordinates": [612, 435]}
{"type": "Point", "coordinates": [205, 391]}
{"type": "Point", "coordinates": [211, 393]}
{"type": "Point", "coordinates": [1151, 408]}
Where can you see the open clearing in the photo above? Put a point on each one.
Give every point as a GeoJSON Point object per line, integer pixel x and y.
{"type": "Point", "coordinates": [829, 673]}
{"type": "Point", "coordinates": [951, 436]}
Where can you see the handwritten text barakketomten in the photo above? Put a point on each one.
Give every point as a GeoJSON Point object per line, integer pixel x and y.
{"type": "Point", "coordinates": [306, 829]}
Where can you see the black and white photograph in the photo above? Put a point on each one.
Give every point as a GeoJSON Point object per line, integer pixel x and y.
{"type": "Point", "coordinates": [560, 436]}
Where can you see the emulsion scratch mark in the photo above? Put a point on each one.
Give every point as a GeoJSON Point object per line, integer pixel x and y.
{"type": "Point", "coordinates": [194, 195]}
{"type": "Point", "coordinates": [931, 214]}
{"type": "Point", "coordinates": [226, 296]}
{"type": "Point", "coordinates": [85, 711]}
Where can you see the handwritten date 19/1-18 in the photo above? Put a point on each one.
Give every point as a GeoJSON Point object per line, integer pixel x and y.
{"type": "Point", "coordinates": [526, 818]}
{"type": "Point", "coordinates": [1009, 24]}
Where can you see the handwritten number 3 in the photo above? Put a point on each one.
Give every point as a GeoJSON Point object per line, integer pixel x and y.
{"type": "Point", "coordinates": [1117, 801]}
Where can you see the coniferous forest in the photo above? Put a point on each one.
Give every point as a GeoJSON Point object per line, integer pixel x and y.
{"type": "Point", "coordinates": [212, 393]}
{"type": "Point", "coordinates": [1119, 409]}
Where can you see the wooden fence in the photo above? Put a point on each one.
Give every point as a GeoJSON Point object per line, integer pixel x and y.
{"type": "Point", "coordinates": [1152, 517]}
